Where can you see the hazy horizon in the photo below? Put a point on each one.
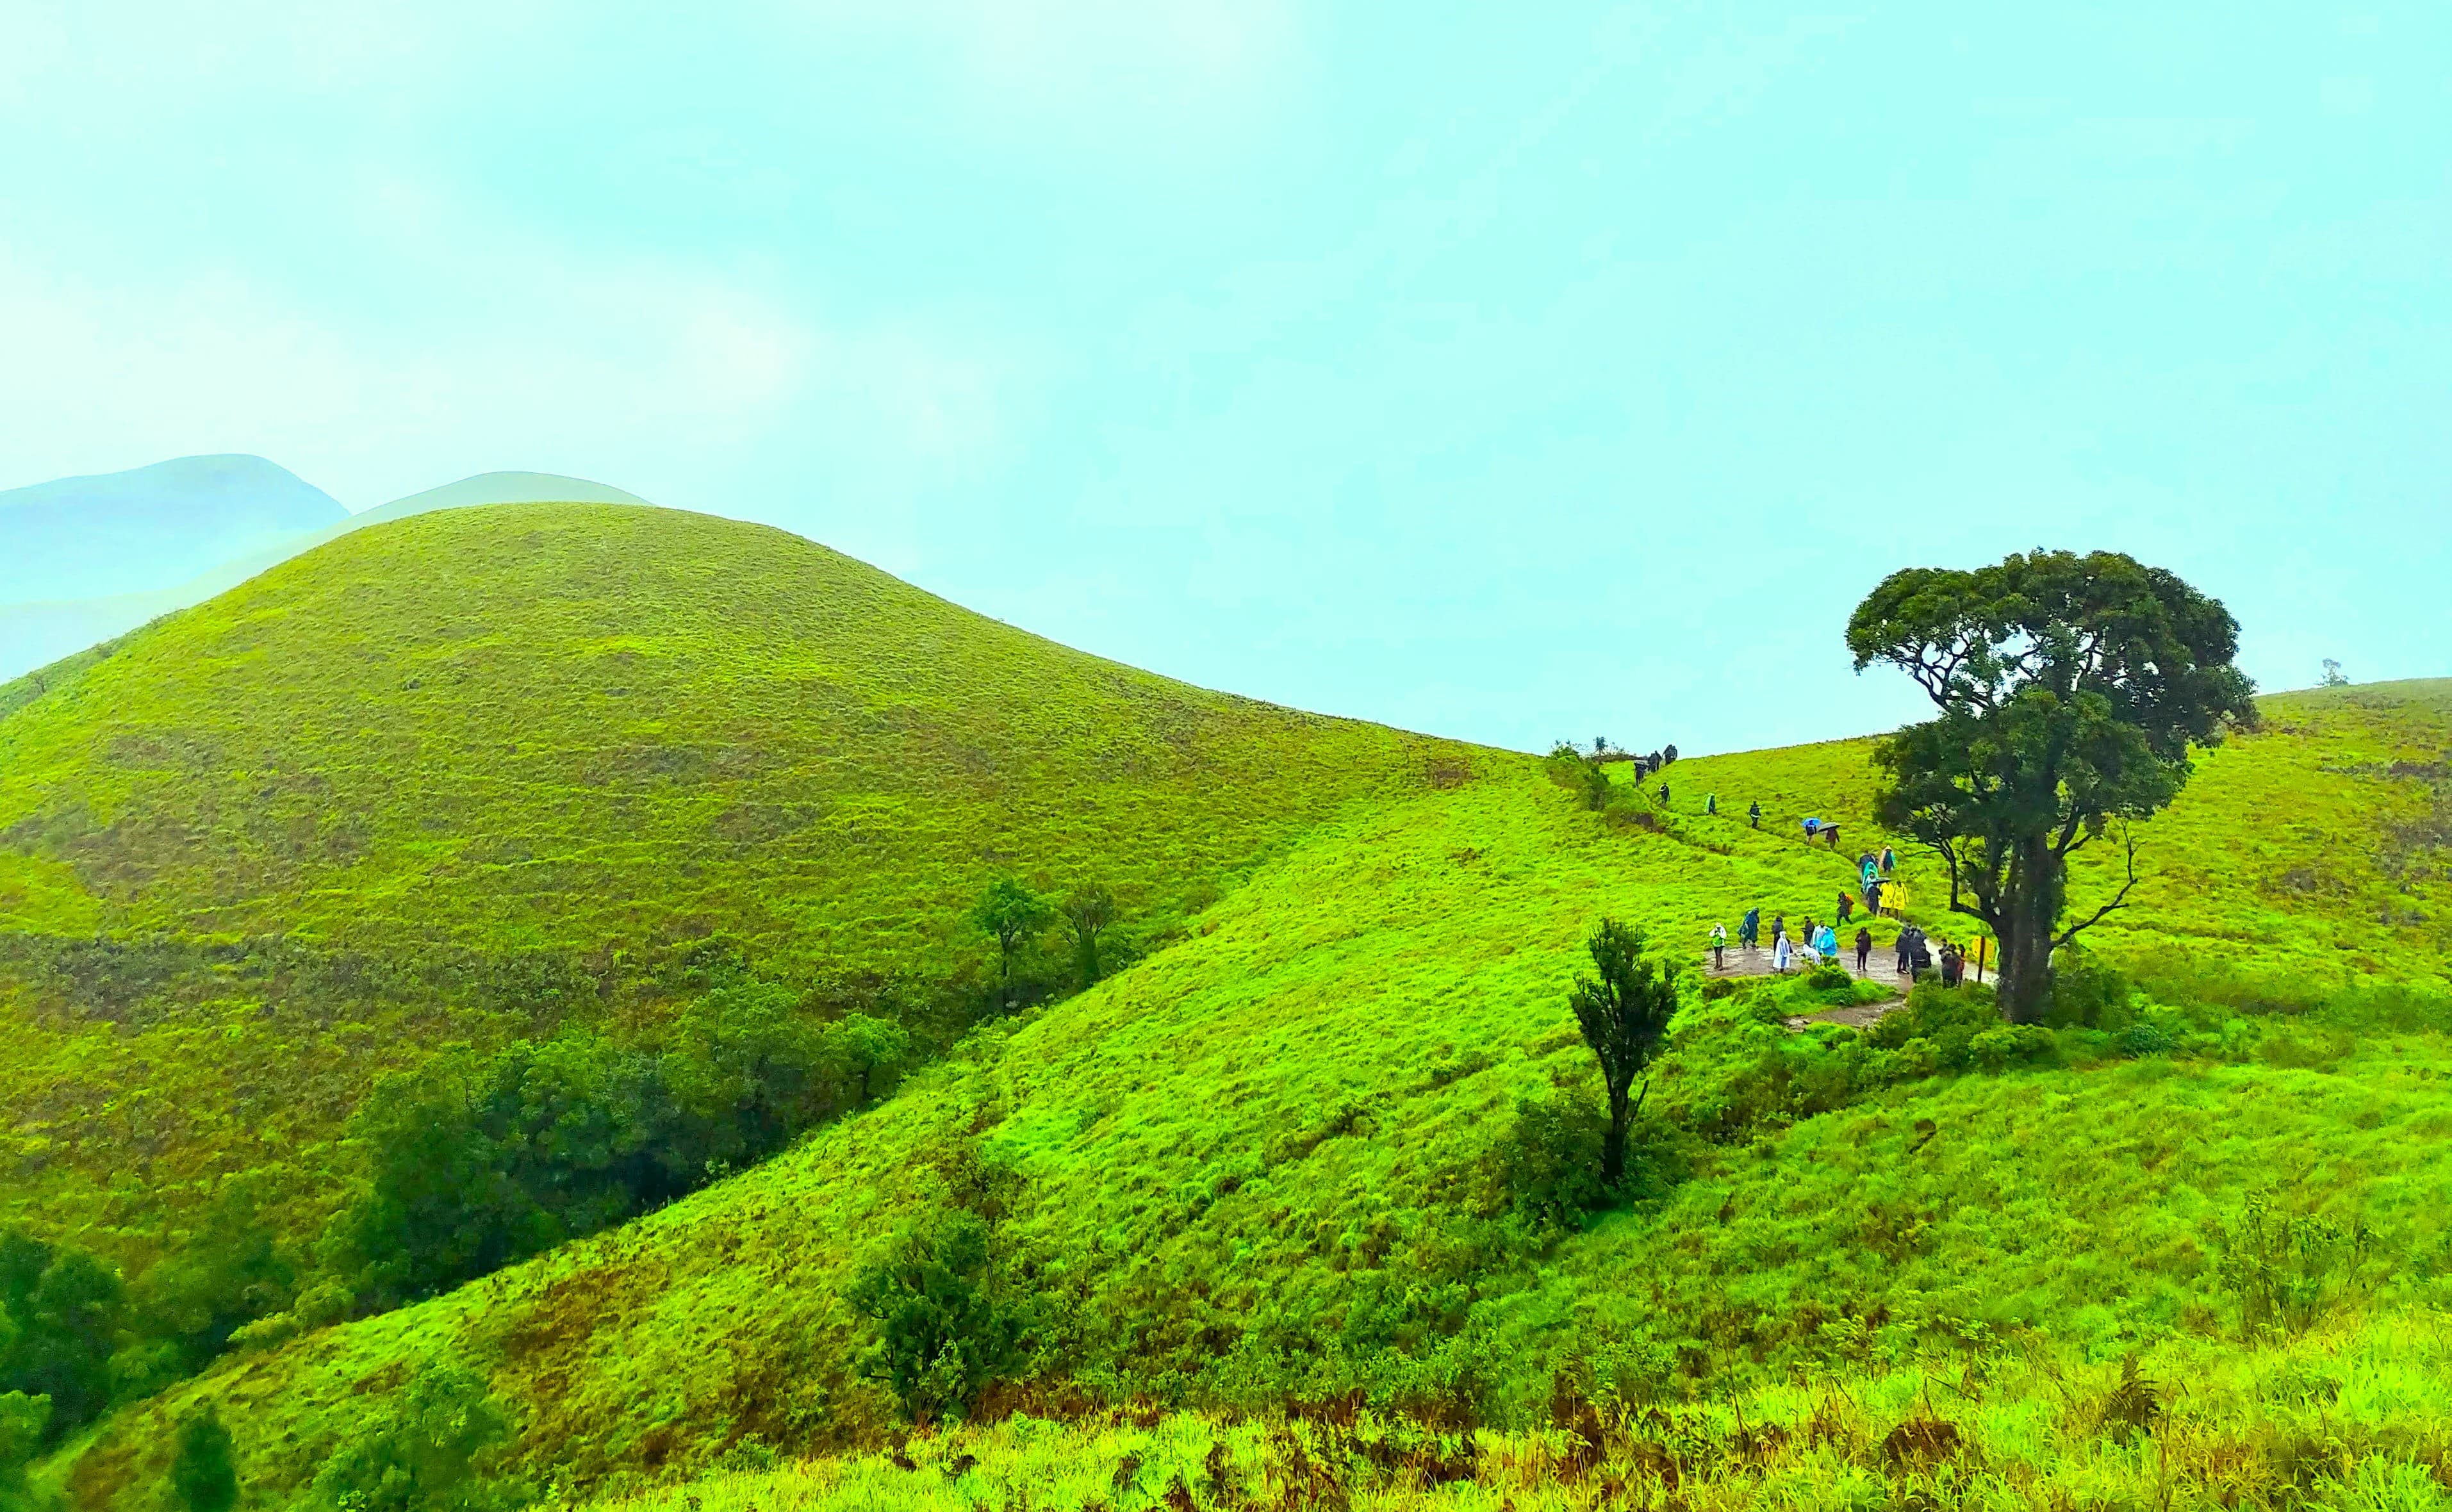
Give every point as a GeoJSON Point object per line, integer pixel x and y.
{"type": "Point", "coordinates": [1505, 380]}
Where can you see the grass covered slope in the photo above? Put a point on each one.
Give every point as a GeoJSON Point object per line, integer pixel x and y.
{"type": "Point", "coordinates": [1312, 1150]}
{"type": "Point", "coordinates": [598, 726]}
{"type": "Point", "coordinates": [467, 774]}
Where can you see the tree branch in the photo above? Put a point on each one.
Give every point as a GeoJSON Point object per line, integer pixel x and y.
{"type": "Point", "coordinates": [2119, 901]}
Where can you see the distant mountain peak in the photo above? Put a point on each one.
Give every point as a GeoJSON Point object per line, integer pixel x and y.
{"type": "Point", "coordinates": [152, 526]}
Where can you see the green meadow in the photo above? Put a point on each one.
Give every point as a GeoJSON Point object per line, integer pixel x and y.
{"type": "Point", "coordinates": [1291, 1209]}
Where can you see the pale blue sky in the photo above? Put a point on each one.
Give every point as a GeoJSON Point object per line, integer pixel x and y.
{"type": "Point", "coordinates": [1510, 372]}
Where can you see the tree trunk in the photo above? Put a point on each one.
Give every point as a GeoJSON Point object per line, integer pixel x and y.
{"type": "Point", "coordinates": [1614, 1148]}
{"type": "Point", "coordinates": [2030, 910]}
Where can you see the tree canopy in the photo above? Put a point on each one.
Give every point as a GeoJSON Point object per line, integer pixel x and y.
{"type": "Point", "coordinates": [2071, 692]}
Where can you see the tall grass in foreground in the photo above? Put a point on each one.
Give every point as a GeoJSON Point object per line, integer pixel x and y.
{"type": "Point", "coordinates": [2355, 1418]}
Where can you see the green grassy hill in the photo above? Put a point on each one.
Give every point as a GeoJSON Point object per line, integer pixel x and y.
{"type": "Point", "coordinates": [1315, 1153]}
{"type": "Point", "coordinates": [470, 774]}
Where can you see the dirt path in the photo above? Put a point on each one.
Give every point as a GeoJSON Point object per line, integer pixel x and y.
{"type": "Point", "coordinates": [1881, 969]}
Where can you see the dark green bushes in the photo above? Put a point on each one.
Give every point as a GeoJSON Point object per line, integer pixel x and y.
{"type": "Point", "coordinates": [946, 1323]}
{"type": "Point", "coordinates": [1734, 1065]}
{"type": "Point", "coordinates": [230, 1270]}
{"type": "Point", "coordinates": [202, 1475]}
{"type": "Point", "coordinates": [1545, 1171]}
{"type": "Point", "coordinates": [480, 1161]}
{"type": "Point", "coordinates": [433, 1451]}
{"type": "Point", "coordinates": [61, 1318]}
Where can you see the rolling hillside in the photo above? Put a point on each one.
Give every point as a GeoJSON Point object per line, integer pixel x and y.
{"type": "Point", "coordinates": [471, 773]}
{"type": "Point", "coordinates": [1310, 1152]}
{"type": "Point", "coordinates": [58, 623]}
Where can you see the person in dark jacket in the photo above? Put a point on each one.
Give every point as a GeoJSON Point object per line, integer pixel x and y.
{"type": "Point", "coordinates": [1906, 944]}
{"type": "Point", "coordinates": [1750, 929]}
{"type": "Point", "coordinates": [1864, 950]}
{"type": "Point", "coordinates": [1847, 906]}
{"type": "Point", "coordinates": [1753, 815]}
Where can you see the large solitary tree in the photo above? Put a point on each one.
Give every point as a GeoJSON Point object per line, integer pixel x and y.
{"type": "Point", "coordinates": [2071, 691]}
{"type": "Point", "coordinates": [1623, 1007]}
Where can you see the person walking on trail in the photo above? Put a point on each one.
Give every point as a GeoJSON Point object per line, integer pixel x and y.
{"type": "Point", "coordinates": [1753, 815]}
{"type": "Point", "coordinates": [1906, 950]}
{"type": "Point", "coordinates": [1847, 906]}
{"type": "Point", "coordinates": [1826, 940]}
{"type": "Point", "coordinates": [1750, 929]}
{"type": "Point", "coordinates": [1778, 928]}
{"type": "Point", "coordinates": [1949, 964]}
{"type": "Point", "coordinates": [1864, 950]}
{"type": "Point", "coordinates": [1890, 861]}
{"type": "Point", "coordinates": [1873, 897]}
{"type": "Point", "coordinates": [1779, 950]}
{"type": "Point", "coordinates": [1719, 946]}
{"type": "Point", "coordinates": [1664, 794]}
{"type": "Point", "coordinates": [1711, 803]}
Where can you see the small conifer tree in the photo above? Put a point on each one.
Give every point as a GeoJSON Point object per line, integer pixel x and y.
{"type": "Point", "coordinates": [1623, 1007]}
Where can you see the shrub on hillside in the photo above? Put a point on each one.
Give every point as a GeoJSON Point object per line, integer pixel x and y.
{"type": "Point", "coordinates": [431, 1451]}
{"type": "Point", "coordinates": [1623, 1007]}
{"type": "Point", "coordinates": [2287, 1270]}
{"type": "Point", "coordinates": [1997, 1048]}
{"type": "Point", "coordinates": [2139, 1041]}
{"type": "Point", "coordinates": [1946, 1019]}
{"type": "Point", "coordinates": [1545, 1169]}
{"type": "Point", "coordinates": [202, 1475]}
{"type": "Point", "coordinates": [228, 1273]}
{"type": "Point", "coordinates": [1583, 775]}
{"type": "Point", "coordinates": [61, 1312]}
{"type": "Point", "coordinates": [944, 1327]}
{"type": "Point", "coordinates": [2088, 994]}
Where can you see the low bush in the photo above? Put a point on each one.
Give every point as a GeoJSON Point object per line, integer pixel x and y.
{"type": "Point", "coordinates": [435, 1450]}
{"type": "Point", "coordinates": [945, 1323]}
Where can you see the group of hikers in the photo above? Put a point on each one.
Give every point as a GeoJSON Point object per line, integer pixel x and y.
{"type": "Point", "coordinates": [1811, 946]}
{"type": "Point", "coordinates": [1814, 944]}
